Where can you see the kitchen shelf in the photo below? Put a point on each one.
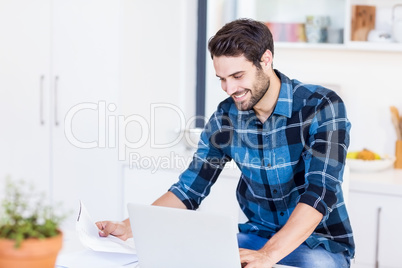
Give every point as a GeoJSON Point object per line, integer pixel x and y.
{"type": "Point", "coordinates": [291, 11]}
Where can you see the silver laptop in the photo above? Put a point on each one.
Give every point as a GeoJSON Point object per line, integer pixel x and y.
{"type": "Point", "coordinates": [179, 238]}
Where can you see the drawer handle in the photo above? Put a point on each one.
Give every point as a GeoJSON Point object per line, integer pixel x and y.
{"type": "Point", "coordinates": [56, 81]}
{"type": "Point", "coordinates": [377, 247]}
{"type": "Point", "coordinates": [41, 82]}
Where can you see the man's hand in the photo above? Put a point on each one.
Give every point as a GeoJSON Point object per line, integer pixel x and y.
{"type": "Point", "coordinates": [255, 259]}
{"type": "Point", "coordinates": [120, 229]}
{"type": "Point", "coordinates": [300, 225]}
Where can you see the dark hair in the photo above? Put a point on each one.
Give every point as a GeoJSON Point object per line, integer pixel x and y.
{"type": "Point", "coordinates": [242, 37]}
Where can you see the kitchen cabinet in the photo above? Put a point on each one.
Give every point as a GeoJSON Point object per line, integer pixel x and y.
{"type": "Point", "coordinates": [376, 214]}
{"type": "Point", "coordinates": [24, 91]}
{"type": "Point", "coordinates": [71, 73]}
{"type": "Point", "coordinates": [59, 76]}
{"type": "Point", "coordinates": [85, 73]}
{"type": "Point", "coordinates": [339, 12]}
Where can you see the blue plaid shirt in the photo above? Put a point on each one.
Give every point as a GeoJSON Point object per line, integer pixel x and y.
{"type": "Point", "coordinates": [297, 155]}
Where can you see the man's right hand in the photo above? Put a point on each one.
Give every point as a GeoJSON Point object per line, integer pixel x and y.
{"type": "Point", "coordinates": [120, 229]}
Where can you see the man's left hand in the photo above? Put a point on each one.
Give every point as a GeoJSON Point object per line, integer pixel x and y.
{"type": "Point", "coordinates": [255, 259]}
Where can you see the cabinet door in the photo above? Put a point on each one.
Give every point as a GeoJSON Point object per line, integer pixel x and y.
{"type": "Point", "coordinates": [364, 216]}
{"type": "Point", "coordinates": [390, 237]}
{"type": "Point", "coordinates": [85, 82]}
{"type": "Point", "coordinates": [24, 80]}
{"type": "Point", "coordinates": [376, 223]}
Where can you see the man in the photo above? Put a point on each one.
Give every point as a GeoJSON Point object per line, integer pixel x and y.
{"type": "Point", "coordinates": [290, 142]}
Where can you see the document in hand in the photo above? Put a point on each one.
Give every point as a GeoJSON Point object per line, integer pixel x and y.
{"type": "Point", "coordinates": [88, 234]}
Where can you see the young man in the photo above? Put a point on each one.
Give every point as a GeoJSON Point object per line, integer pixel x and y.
{"type": "Point", "coordinates": [289, 140]}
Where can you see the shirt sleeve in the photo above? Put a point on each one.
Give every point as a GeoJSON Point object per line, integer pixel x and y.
{"type": "Point", "coordinates": [196, 181]}
{"type": "Point", "coordinates": [325, 155]}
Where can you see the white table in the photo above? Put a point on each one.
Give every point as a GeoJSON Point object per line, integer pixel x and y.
{"type": "Point", "coordinates": [75, 255]}
{"type": "Point", "coordinates": [74, 252]}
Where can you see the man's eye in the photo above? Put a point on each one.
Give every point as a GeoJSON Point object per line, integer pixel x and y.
{"type": "Point", "coordinates": [238, 76]}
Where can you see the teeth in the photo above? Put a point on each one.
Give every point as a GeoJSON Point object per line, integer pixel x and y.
{"type": "Point", "coordinates": [239, 96]}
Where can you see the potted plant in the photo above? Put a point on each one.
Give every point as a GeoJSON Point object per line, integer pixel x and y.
{"type": "Point", "coordinates": [29, 228]}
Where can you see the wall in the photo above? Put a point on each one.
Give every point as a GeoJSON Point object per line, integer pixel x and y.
{"type": "Point", "coordinates": [158, 67]}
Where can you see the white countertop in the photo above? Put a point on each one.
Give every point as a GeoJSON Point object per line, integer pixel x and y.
{"type": "Point", "coordinates": [387, 182]}
{"type": "Point", "coordinates": [75, 254]}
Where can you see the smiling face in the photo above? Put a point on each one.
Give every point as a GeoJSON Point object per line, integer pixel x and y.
{"type": "Point", "coordinates": [242, 80]}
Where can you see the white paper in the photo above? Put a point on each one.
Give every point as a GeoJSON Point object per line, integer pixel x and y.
{"type": "Point", "coordinates": [88, 234]}
{"type": "Point", "coordinates": [89, 258]}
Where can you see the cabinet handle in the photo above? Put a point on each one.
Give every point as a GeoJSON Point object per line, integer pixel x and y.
{"type": "Point", "coordinates": [377, 247]}
{"type": "Point", "coordinates": [41, 118]}
{"type": "Point", "coordinates": [56, 82]}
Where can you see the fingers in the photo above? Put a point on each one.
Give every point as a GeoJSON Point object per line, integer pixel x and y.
{"type": "Point", "coordinates": [105, 228]}
{"type": "Point", "coordinates": [99, 225]}
{"type": "Point", "coordinates": [253, 259]}
{"type": "Point", "coordinates": [246, 256]}
{"type": "Point", "coordinates": [246, 253]}
{"type": "Point", "coordinates": [118, 229]}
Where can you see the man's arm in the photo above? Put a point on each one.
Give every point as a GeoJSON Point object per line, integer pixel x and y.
{"type": "Point", "coordinates": [122, 229]}
{"type": "Point", "coordinates": [206, 166]}
{"type": "Point", "coordinates": [301, 224]}
{"type": "Point", "coordinates": [169, 200]}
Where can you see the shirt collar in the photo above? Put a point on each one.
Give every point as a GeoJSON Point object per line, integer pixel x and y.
{"type": "Point", "coordinates": [285, 98]}
{"type": "Point", "coordinates": [284, 104]}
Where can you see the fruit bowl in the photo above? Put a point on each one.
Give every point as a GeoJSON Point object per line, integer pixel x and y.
{"type": "Point", "coordinates": [360, 165]}
{"type": "Point", "coordinates": [368, 161]}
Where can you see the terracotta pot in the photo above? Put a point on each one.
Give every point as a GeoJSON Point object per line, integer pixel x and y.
{"type": "Point", "coordinates": [33, 253]}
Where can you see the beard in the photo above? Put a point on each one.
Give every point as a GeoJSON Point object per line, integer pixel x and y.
{"type": "Point", "coordinates": [260, 87]}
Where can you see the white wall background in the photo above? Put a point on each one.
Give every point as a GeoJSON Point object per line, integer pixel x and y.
{"type": "Point", "coordinates": [158, 66]}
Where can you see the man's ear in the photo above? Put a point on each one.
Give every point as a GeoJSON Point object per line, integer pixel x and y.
{"type": "Point", "coordinates": [267, 59]}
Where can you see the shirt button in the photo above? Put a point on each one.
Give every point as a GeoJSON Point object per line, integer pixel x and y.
{"type": "Point", "coordinates": [282, 213]}
{"type": "Point", "coordinates": [268, 165]}
{"type": "Point", "coordinates": [275, 191]}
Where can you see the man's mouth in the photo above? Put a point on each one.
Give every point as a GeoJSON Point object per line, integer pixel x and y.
{"type": "Point", "coordinates": [240, 96]}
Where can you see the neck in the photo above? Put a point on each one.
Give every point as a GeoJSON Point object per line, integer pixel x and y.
{"type": "Point", "coordinates": [264, 108]}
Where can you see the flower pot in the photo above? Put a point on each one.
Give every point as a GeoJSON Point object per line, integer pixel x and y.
{"type": "Point", "coordinates": [33, 253]}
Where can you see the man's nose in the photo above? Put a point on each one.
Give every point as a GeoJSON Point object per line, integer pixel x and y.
{"type": "Point", "coordinates": [229, 87]}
